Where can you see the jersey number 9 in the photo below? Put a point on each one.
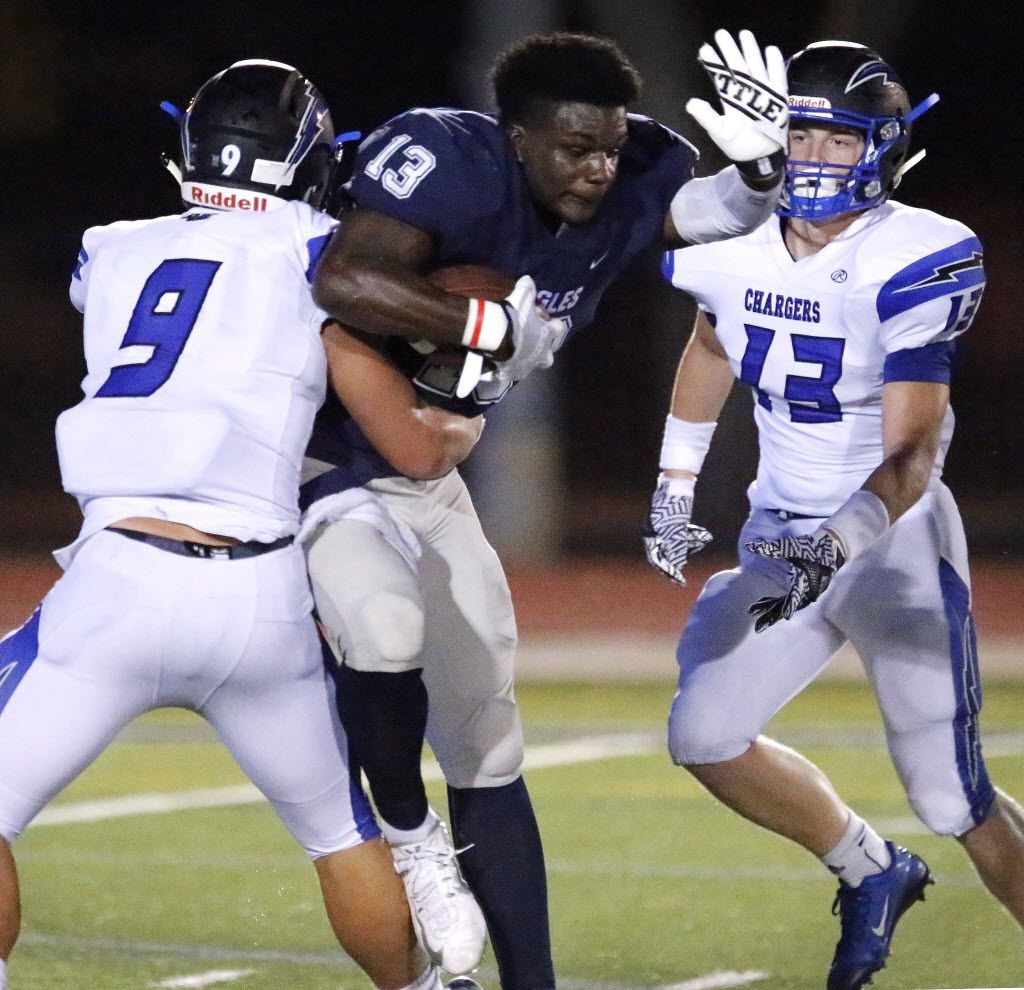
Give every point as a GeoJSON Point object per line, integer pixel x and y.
{"type": "Point", "coordinates": [163, 318]}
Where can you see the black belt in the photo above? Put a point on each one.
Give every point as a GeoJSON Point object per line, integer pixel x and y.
{"type": "Point", "coordinates": [785, 515]}
{"type": "Point", "coordinates": [186, 548]}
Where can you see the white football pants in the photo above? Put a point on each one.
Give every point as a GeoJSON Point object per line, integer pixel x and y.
{"type": "Point", "coordinates": [130, 628]}
{"type": "Point", "coordinates": [904, 604]}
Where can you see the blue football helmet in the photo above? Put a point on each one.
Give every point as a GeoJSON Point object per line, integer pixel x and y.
{"type": "Point", "coordinates": [848, 85]}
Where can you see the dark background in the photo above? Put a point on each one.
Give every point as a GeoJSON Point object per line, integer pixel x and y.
{"type": "Point", "coordinates": [81, 134]}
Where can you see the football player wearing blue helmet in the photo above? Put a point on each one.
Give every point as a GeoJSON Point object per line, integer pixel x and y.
{"type": "Point", "coordinates": [842, 313]}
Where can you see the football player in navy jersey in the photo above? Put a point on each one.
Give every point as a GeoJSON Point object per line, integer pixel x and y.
{"type": "Point", "coordinates": [561, 190]}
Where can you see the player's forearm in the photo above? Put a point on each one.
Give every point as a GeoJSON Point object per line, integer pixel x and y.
{"type": "Point", "coordinates": [719, 206]}
{"type": "Point", "coordinates": [890, 490]}
{"type": "Point", "coordinates": [703, 382]}
{"type": "Point", "coordinates": [912, 416]}
{"type": "Point", "coordinates": [449, 440]}
{"type": "Point", "coordinates": [902, 478]}
{"type": "Point", "coordinates": [383, 298]}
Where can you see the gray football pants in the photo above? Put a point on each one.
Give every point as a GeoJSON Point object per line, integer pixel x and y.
{"type": "Point", "coordinates": [451, 615]}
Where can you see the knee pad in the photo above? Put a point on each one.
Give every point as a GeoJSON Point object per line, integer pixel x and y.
{"type": "Point", "coordinates": [695, 738]}
{"type": "Point", "coordinates": [383, 633]}
{"type": "Point", "coordinates": [368, 599]}
{"type": "Point", "coordinates": [394, 625]}
{"type": "Point", "coordinates": [486, 751]}
{"type": "Point", "coordinates": [946, 813]}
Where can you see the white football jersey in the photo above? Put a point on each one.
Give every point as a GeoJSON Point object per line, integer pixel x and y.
{"type": "Point", "coordinates": [205, 370]}
{"type": "Point", "coordinates": [816, 339]}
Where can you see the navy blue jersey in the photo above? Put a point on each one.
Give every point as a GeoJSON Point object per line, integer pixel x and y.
{"type": "Point", "coordinates": [455, 175]}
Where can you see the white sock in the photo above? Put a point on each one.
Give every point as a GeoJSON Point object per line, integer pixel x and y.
{"type": "Point", "coordinates": [3, 975]}
{"type": "Point", "coordinates": [403, 836]}
{"type": "Point", "coordinates": [429, 979]}
{"type": "Point", "coordinates": [861, 852]}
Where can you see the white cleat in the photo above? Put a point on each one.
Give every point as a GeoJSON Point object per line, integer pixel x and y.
{"type": "Point", "coordinates": [447, 919]}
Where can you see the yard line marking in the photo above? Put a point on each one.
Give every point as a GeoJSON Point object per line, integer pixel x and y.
{"type": "Point", "coordinates": [331, 958]}
{"type": "Point", "coordinates": [591, 749]}
{"type": "Point", "coordinates": [719, 980]}
{"type": "Point", "coordinates": [148, 804]}
{"type": "Point", "coordinates": [205, 979]}
{"type": "Point", "coordinates": [335, 959]}
{"type": "Point", "coordinates": [184, 950]}
{"type": "Point", "coordinates": [586, 750]}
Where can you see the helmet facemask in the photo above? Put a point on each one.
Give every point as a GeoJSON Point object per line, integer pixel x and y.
{"type": "Point", "coordinates": [818, 190]}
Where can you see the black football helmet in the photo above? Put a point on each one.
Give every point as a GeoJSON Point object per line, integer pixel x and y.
{"type": "Point", "coordinates": [848, 85]}
{"type": "Point", "coordinates": [258, 126]}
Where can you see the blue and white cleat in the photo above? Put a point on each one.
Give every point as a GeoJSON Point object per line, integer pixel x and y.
{"type": "Point", "coordinates": [868, 916]}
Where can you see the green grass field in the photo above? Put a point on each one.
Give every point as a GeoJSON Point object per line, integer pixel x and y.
{"type": "Point", "coordinates": [653, 884]}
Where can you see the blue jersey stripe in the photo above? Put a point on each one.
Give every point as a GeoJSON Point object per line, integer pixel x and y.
{"type": "Point", "coordinates": [953, 269]}
{"type": "Point", "coordinates": [931, 363]}
{"type": "Point", "coordinates": [668, 264]}
{"type": "Point", "coordinates": [83, 257]}
{"type": "Point", "coordinates": [362, 810]}
{"type": "Point", "coordinates": [963, 650]}
{"type": "Point", "coordinates": [17, 652]}
{"type": "Point", "coordinates": [315, 246]}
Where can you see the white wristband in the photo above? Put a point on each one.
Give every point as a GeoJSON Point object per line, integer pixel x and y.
{"type": "Point", "coordinates": [685, 444]}
{"type": "Point", "coordinates": [486, 325]}
{"type": "Point", "coordinates": [858, 522]}
{"type": "Point", "coordinates": [678, 486]}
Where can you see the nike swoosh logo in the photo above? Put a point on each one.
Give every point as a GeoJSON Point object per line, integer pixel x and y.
{"type": "Point", "coordinates": [880, 930]}
{"type": "Point", "coordinates": [598, 261]}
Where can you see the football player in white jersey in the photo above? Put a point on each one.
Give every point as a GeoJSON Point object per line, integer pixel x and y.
{"type": "Point", "coordinates": [841, 313]}
{"type": "Point", "coordinates": [184, 587]}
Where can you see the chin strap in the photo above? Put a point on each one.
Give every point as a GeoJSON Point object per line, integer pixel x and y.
{"type": "Point", "coordinates": [908, 165]}
{"type": "Point", "coordinates": [172, 166]}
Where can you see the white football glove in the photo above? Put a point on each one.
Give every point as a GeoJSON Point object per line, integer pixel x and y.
{"type": "Point", "coordinates": [535, 336]}
{"type": "Point", "coordinates": [670, 539]}
{"type": "Point", "coordinates": [754, 96]}
{"type": "Point", "coordinates": [813, 561]}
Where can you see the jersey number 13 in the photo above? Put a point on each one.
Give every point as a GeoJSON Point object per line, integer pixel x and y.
{"type": "Point", "coordinates": [811, 400]}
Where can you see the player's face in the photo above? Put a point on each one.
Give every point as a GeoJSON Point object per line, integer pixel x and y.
{"type": "Point", "coordinates": [570, 154]}
{"type": "Point", "coordinates": [827, 145]}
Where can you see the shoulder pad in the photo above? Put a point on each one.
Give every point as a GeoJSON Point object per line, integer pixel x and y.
{"type": "Point", "coordinates": [649, 141]}
{"type": "Point", "coordinates": [953, 268]}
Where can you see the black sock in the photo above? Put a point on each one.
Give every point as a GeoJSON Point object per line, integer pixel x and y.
{"type": "Point", "coordinates": [505, 871]}
{"type": "Point", "coordinates": [385, 718]}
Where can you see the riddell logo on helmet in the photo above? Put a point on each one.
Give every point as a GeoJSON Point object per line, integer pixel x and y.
{"type": "Point", "coordinates": [225, 199]}
{"type": "Point", "coordinates": [810, 102]}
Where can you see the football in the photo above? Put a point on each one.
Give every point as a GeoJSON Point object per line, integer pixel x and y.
{"type": "Point", "coordinates": [476, 281]}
